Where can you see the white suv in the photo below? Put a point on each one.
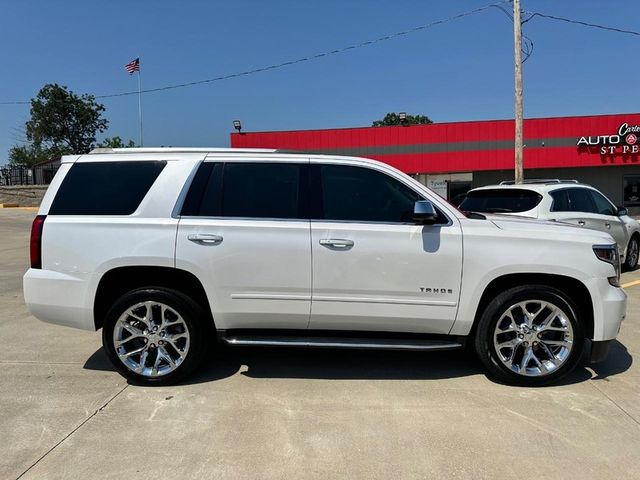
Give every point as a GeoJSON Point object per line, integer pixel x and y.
{"type": "Point", "coordinates": [563, 201]}
{"type": "Point", "coordinates": [167, 250]}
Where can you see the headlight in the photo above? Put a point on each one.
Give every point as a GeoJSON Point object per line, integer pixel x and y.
{"type": "Point", "coordinates": [609, 254]}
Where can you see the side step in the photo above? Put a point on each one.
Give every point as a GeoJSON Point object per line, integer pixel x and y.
{"type": "Point", "coordinates": [335, 342]}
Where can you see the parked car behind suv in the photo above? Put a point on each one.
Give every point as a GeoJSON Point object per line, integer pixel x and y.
{"type": "Point", "coordinates": [169, 251]}
{"type": "Point", "coordinates": [564, 201]}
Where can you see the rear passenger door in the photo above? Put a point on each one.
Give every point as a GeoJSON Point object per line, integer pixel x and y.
{"type": "Point", "coordinates": [574, 205]}
{"type": "Point", "coordinates": [244, 231]}
{"type": "Point", "coordinates": [587, 208]}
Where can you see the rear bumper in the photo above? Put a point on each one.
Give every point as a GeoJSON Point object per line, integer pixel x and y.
{"type": "Point", "coordinates": [58, 298]}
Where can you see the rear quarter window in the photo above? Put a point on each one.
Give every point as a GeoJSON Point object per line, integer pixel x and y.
{"type": "Point", "coordinates": [512, 200]}
{"type": "Point", "coordinates": [105, 188]}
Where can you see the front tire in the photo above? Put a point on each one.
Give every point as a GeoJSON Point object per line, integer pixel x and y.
{"type": "Point", "coordinates": [633, 252]}
{"type": "Point", "coordinates": [154, 336]}
{"type": "Point", "coordinates": [530, 336]}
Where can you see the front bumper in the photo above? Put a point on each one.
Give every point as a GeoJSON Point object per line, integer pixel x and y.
{"type": "Point", "coordinates": [609, 309]}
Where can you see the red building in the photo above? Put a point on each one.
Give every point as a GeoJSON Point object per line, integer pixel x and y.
{"type": "Point", "coordinates": [450, 158]}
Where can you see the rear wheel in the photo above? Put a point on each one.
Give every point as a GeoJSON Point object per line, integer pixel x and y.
{"type": "Point", "coordinates": [631, 258]}
{"type": "Point", "coordinates": [530, 335]}
{"type": "Point", "coordinates": [154, 336]}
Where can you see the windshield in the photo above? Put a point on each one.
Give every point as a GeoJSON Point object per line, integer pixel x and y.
{"type": "Point", "coordinates": [502, 200]}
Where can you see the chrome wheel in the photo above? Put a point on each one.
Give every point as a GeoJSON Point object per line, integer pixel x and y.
{"type": "Point", "coordinates": [151, 339]}
{"type": "Point", "coordinates": [533, 338]}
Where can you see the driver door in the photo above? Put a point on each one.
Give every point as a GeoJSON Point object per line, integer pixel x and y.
{"type": "Point", "coordinates": [373, 267]}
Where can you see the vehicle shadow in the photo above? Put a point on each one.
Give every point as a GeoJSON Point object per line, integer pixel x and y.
{"type": "Point", "coordinates": [619, 360]}
{"type": "Point", "coordinates": [327, 364]}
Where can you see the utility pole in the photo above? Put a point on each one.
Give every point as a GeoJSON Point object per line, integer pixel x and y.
{"type": "Point", "coordinates": [517, 36]}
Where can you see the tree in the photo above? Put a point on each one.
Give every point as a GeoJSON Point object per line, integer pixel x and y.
{"type": "Point", "coordinates": [26, 155]}
{"type": "Point", "coordinates": [116, 142]}
{"type": "Point", "coordinates": [61, 123]}
{"type": "Point", "coordinates": [393, 118]}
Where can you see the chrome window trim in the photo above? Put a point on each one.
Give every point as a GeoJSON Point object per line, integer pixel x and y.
{"type": "Point", "coordinates": [371, 222]}
{"type": "Point", "coordinates": [251, 219]}
{"type": "Point", "coordinates": [309, 220]}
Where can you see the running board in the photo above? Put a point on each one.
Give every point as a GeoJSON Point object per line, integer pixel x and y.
{"type": "Point", "coordinates": [329, 342]}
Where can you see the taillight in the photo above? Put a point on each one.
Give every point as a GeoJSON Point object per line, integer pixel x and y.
{"type": "Point", "coordinates": [36, 241]}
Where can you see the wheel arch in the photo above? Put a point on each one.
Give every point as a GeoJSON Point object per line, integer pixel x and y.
{"type": "Point", "coordinates": [117, 281]}
{"type": "Point", "coordinates": [573, 288]}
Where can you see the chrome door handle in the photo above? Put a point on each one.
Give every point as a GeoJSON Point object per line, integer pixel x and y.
{"type": "Point", "coordinates": [336, 243]}
{"type": "Point", "coordinates": [581, 223]}
{"type": "Point", "coordinates": [608, 225]}
{"type": "Point", "coordinates": [205, 238]}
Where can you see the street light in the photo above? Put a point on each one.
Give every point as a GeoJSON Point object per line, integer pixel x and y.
{"type": "Point", "coordinates": [237, 125]}
{"type": "Point", "coordinates": [403, 117]}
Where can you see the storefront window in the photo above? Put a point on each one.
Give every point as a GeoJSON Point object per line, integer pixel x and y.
{"type": "Point", "coordinates": [631, 190]}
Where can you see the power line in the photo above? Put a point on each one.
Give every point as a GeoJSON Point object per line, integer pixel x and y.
{"type": "Point", "coordinates": [299, 60]}
{"type": "Point", "coordinates": [578, 22]}
{"type": "Point", "coordinates": [527, 43]}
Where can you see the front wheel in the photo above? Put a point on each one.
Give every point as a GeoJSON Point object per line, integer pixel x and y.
{"type": "Point", "coordinates": [530, 336]}
{"type": "Point", "coordinates": [631, 258]}
{"type": "Point", "coordinates": [154, 336]}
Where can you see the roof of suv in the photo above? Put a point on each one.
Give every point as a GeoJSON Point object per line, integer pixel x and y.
{"type": "Point", "coordinates": [191, 153]}
{"type": "Point", "coordinates": [182, 150]}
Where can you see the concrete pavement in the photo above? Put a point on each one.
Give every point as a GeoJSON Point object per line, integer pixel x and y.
{"type": "Point", "coordinates": [277, 414]}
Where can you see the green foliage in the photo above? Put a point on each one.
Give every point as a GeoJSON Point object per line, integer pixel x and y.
{"type": "Point", "coordinates": [26, 155]}
{"type": "Point", "coordinates": [392, 118]}
{"type": "Point", "coordinates": [116, 142]}
{"type": "Point", "coordinates": [61, 123]}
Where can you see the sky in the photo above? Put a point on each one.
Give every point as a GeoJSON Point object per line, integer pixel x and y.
{"type": "Point", "coordinates": [461, 70]}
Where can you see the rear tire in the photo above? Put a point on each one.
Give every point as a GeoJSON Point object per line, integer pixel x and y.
{"type": "Point", "coordinates": [530, 336]}
{"type": "Point", "coordinates": [155, 336]}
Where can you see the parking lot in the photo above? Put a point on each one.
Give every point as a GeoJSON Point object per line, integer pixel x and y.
{"type": "Point", "coordinates": [275, 414]}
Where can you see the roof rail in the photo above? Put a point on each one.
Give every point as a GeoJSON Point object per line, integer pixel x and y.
{"type": "Point", "coordinates": [180, 150]}
{"type": "Point", "coordinates": [539, 180]}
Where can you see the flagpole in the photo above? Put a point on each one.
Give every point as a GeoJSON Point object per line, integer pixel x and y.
{"type": "Point", "coordinates": [140, 102]}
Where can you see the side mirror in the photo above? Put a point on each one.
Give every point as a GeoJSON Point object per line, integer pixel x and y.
{"type": "Point", "coordinates": [622, 212]}
{"type": "Point", "coordinates": [424, 213]}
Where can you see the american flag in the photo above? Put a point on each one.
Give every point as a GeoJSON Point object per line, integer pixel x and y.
{"type": "Point", "coordinates": [133, 66]}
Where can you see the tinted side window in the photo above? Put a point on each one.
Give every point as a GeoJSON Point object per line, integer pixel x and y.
{"type": "Point", "coordinates": [261, 190]}
{"type": "Point", "coordinates": [193, 200]}
{"type": "Point", "coordinates": [573, 200]}
{"type": "Point", "coordinates": [560, 201]}
{"type": "Point", "coordinates": [205, 192]}
{"type": "Point", "coordinates": [500, 200]}
{"type": "Point", "coordinates": [105, 188]}
{"type": "Point", "coordinates": [251, 190]}
{"type": "Point", "coordinates": [580, 200]}
{"type": "Point", "coordinates": [603, 206]}
{"type": "Point", "coordinates": [361, 194]}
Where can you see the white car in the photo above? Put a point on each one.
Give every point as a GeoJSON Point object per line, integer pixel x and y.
{"type": "Point", "coordinates": [169, 250]}
{"type": "Point", "coordinates": [562, 201]}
